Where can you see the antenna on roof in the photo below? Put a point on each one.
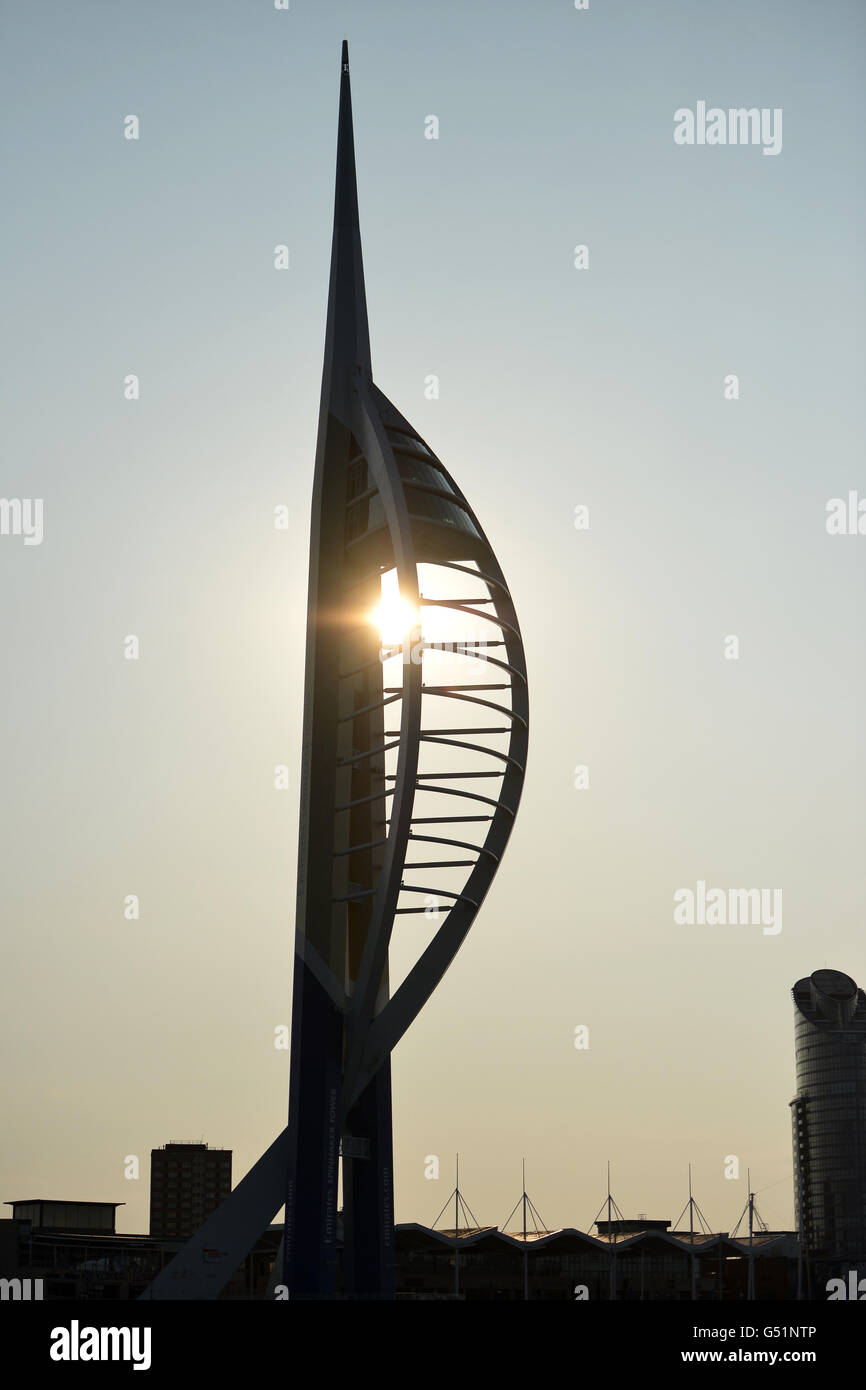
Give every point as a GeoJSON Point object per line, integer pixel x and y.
{"type": "Point", "coordinates": [610, 1204]}
{"type": "Point", "coordinates": [762, 1226]}
{"type": "Point", "coordinates": [461, 1207]}
{"type": "Point", "coordinates": [611, 1237]}
{"type": "Point", "coordinates": [540, 1229]}
{"type": "Point", "coordinates": [693, 1210]}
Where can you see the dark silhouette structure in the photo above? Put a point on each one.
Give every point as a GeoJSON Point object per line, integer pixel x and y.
{"type": "Point", "coordinates": [187, 1183]}
{"type": "Point", "coordinates": [829, 1118]}
{"type": "Point", "coordinates": [493, 1264]}
{"type": "Point", "coordinates": [412, 767]}
{"type": "Point", "coordinates": [382, 501]}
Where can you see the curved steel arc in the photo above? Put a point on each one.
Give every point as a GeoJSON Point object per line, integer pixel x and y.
{"type": "Point", "coordinates": [455, 791]}
{"type": "Point", "coordinates": [457, 607]}
{"type": "Point", "coordinates": [459, 844]}
{"type": "Point", "coordinates": [389, 1025]}
{"type": "Point", "coordinates": [474, 747]}
{"type": "Point", "coordinates": [446, 693]}
{"type": "Point", "coordinates": [365, 1029]}
{"type": "Point", "coordinates": [491, 661]}
{"type": "Point", "coordinates": [465, 569]}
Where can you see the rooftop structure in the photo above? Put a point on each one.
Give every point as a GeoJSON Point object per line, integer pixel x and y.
{"type": "Point", "coordinates": [58, 1215]}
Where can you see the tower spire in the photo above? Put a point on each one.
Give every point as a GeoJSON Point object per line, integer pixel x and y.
{"type": "Point", "coordinates": [347, 342]}
{"type": "Point", "coordinates": [372, 510]}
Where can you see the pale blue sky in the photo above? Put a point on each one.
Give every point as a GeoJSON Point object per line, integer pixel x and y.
{"type": "Point", "coordinates": [558, 387]}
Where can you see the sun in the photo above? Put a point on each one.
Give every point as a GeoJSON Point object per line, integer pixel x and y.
{"type": "Point", "coordinates": [395, 618]}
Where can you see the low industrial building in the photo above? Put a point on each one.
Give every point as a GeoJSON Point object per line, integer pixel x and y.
{"type": "Point", "coordinates": [641, 1262]}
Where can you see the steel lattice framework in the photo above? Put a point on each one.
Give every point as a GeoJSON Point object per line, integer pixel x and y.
{"type": "Point", "coordinates": [413, 763]}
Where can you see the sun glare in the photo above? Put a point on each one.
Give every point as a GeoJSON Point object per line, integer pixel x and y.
{"type": "Point", "coordinates": [395, 618]}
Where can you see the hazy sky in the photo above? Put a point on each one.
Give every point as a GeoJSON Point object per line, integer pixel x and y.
{"type": "Point", "coordinates": [603, 387]}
